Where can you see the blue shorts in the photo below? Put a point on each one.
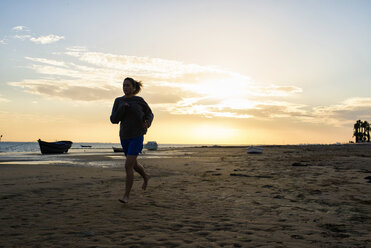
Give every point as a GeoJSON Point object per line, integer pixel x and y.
{"type": "Point", "coordinates": [132, 146]}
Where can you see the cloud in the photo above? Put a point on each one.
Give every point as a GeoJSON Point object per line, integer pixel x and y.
{"type": "Point", "coordinates": [48, 61]}
{"type": "Point", "coordinates": [277, 90]}
{"type": "Point", "coordinates": [188, 107]}
{"type": "Point", "coordinates": [3, 42]}
{"type": "Point", "coordinates": [62, 89]}
{"type": "Point", "coordinates": [140, 66]}
{"type": "Point", "coordinates": [22, 37]}
{"type": "Point", "coordinates": [174, 87]}
{"type": "Point", "coordinates": [53, 70]}
{"type": "Point", "coordinates": [20, 28]}
{"type": "Point", "coordinates": [237, 108]}
{"type": "Point", "coordinates": [77, 75]}
{"type": "Point", "coordinates": [157, 94]}
{"type": "Point", "coordinates": [277, 109]}
{"type": "Point", "coordinates": [343, 113]}
{"type": "Point", "coordinates": [179, 89]}
{"type": "Point", "coordinates": [46, 39]}
{"type": "Point", "coordinates": [51, 38]}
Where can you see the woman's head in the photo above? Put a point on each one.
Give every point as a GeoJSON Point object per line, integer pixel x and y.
{"type": "Point", "coordinates": [131, 87]}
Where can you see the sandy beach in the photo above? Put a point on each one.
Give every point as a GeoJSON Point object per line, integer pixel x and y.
{"type": "Point", "coordinates": [289, 196]}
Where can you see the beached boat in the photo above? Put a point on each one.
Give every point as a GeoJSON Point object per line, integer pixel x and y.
{"type": "Point", "coordinates": [54, 147]}
{"type": "Point", "coordinates": [151, 145]}
{"type": "Point", "coordinates": [117, 149]}
{"type": "Point", "coordinates": [254, 150]}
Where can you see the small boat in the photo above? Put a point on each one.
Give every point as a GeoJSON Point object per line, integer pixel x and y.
{"type": "Point", "coordinates": [54, 147]}
{"type": "Point", "coordinates": [85, 146]}
{"type": "Point", "coordinates": [254, 150]}
{"type": "Point", "coordinates": [117, 149]}
{"type": "Point", "coordinates": [151, 145]}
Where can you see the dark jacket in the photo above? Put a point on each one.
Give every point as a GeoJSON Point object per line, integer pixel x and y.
{"type": "Point", "coordinates": [131, 116]}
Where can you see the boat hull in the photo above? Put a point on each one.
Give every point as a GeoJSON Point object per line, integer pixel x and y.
{"type": "Point", "coordinates": [54, 147]}
{"type": "Point", "coordinates": [118, 149]}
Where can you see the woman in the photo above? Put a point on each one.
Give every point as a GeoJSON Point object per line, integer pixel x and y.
{"type": "Point", "coordinates": [135, 117]}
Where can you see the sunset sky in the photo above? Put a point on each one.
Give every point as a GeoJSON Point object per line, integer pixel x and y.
{"type": "Point", "coordinates": [214, 72]}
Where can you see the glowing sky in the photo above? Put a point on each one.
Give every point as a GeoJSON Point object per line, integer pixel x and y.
{"type": "Point", "coordinates": [214, 72]}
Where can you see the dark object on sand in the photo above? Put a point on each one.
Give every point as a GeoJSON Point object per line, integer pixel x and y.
{"type": "Point", "coordinates": [54, 147]}
{"type": "Point", "coordinates": [255, 150]}
{"type": "Point", "coordinates": [299, 164]}
{"type": "Point", "coordinates": [151, 145]}
{"type": "Point", "coordinates": [117, 149]}
{"type": "Point", "coordinates": [238, 175]}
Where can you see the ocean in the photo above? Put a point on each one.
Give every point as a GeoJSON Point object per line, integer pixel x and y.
{"type": "Point", "coordinates": [29, 153]}
{"type": "Point", "coordinates": [76, 147]}
{"type": "Point", "coordinates": [34, 146]}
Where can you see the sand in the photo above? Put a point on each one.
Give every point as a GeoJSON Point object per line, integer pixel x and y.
{"type": "Point", "coordinates": [289, 196]}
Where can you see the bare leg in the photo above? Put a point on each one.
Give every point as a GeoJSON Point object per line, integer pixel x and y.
{"type": "Point", "coordinates": [129, 166]}
{"type": "Point", "coordinates": [139, 168]}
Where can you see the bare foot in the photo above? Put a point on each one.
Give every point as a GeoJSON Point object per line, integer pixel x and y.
{"type": "Point", "coordinates": [124, 200]}
{"type": "Point", "coordinates": [145, 183]}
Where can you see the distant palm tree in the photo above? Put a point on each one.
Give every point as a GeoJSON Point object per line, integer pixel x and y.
{"type": "Point", "coordinates": [361, 131]}
{"type": "Point", "coordinates": [357, 131]}
{"type": "Point", "coordinates": [366, 131]}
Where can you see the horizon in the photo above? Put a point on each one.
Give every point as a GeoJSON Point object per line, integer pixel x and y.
{"type": "Point", "coordinates": [200, 144]}
{"type": "Point", "coordinates": [214, 72]}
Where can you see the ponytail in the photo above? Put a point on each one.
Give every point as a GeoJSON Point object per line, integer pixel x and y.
{"type": "Point", "coordinates": [136, 84]}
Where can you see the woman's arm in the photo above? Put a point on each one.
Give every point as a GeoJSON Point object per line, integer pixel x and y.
{"type": "Point", "coordinates": [148, 115]}
{"type": "Point", "coordinates": [118, 110]}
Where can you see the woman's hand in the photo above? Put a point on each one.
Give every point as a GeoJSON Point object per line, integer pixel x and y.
{"type": "Point", "coordinates": [146, 124]}
{"type": "Point", "coordinates": [124, 105]}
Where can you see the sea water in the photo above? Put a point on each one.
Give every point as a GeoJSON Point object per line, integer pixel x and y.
{"type": "Point", "coordinates": [76, 147]}
{"type": "Point", "coordinates": [34, 146]}
{"type": "Point", "coordinates": [29, 153]}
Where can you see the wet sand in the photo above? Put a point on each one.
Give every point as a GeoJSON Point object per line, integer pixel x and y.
{"type": "Point", "coordinates": [289, 196]}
